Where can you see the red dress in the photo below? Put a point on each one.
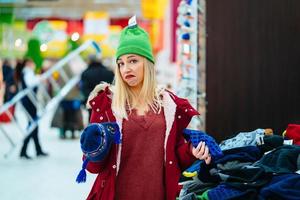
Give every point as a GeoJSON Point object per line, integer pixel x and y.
{"type": "Point", "coordinates": [141, 174]}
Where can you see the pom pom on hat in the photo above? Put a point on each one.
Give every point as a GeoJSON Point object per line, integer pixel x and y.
{"type": "Point", "coordinates": [96, 141]}
{"type": "Point", "coordinates": [134, 40]}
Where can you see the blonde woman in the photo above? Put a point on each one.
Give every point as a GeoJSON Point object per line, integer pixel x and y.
{"type": "Point", "coordinates": [153, 153]}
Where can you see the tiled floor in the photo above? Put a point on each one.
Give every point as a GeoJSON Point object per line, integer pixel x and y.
{"type": "Point", "coordinates": [51, 178]}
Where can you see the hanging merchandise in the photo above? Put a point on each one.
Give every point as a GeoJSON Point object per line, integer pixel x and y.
{"type": "Point", "coordinates": [187, 51]}
{"type": "Point", "coordinates": [188, 54]}
{"type": "Point", "coordinates": [202, 62]}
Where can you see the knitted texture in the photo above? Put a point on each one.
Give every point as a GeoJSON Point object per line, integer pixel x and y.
{"type": "Point", "coordinates": [242, 139]}
{"type": "Point", "coordinates": [282, 187]}
{"type": "Point", "coordinates": [223, 192]}
{"type": "Point", "coordinates": [135, 40]}
{"type": "Point", "coordinates": [293, 132]}
{"type": "Point", "coordinates": [196, 136]}
{"type": "Point", "coordinates": [96, 140]}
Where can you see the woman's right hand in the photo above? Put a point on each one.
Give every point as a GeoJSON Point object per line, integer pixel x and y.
{"type": "Point", "coordinates": [202, 152]}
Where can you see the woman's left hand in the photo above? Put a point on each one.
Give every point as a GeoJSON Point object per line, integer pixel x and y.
{"type": "Point", "coordinates": [202, 152]}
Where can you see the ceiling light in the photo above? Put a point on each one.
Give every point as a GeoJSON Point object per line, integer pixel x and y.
{"type": "Point", "coordinates": [18, 42]}
{"type": "Point", "coordinates": [75, 36]}
{"type": "Point", "coordinates": [43, 47]}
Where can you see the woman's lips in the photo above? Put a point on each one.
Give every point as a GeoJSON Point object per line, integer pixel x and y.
{"type": "Point", "coordinates": [129, 76]}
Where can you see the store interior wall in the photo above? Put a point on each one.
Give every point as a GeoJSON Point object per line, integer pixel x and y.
{"type": "Point", "coordinates": [253, 65]}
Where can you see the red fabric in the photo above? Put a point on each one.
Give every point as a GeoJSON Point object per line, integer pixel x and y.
{"type": "Point", "coordinates": [123, 22]}
{"type": "Point", "coordinates": [178, 155]}
{"type": "Point", "coordinates": [4, 116]}
{"type": "Point", "coordinates": [293, 132]}
{"type": "Point", "coordinates": [142, 159]}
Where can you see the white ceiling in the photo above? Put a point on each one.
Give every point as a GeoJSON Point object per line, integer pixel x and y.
{"type": "Point", "coordinates": [27, 9]}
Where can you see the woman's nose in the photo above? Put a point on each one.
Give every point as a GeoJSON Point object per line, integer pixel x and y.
{"type": "Point", "coordinates": [127, 67]}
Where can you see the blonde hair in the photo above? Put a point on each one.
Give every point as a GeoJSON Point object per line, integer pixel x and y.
{"type": "Point", "coordinates": [123, 96]}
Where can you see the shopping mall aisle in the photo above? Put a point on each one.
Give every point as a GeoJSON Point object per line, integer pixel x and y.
{"type": "Point", "coordinates": [50, 178]}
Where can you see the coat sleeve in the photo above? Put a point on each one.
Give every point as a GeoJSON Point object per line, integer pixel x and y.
{"type": "Point", "coordinates": [184, 154]}
{"type": "Point", "coordinates": [95, 167]}
{"type": "Point", "coordinates": [184, 114]}
{"type": "Point", "coordinates": [101, 102]}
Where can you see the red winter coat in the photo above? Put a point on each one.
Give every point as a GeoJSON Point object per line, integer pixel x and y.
{"type": "Point", "coordinates": [178, 113]}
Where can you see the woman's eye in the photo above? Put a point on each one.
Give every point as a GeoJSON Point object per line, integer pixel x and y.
{"type": "Point", "coordinates": [120, 64]}
{"type": "Point", "coordinates": [133, 61]}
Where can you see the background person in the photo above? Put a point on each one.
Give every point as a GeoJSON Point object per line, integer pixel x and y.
{"type": "Point", "coordinates": [25, 77]}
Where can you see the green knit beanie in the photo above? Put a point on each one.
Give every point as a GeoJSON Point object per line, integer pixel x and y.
{"type": "Point", "coordinates": [134, 40]}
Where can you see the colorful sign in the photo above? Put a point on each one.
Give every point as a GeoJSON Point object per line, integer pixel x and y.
{"type": "Point", "coordinates": [153, 9]}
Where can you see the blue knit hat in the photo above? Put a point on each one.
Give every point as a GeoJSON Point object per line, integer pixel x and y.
{"type": "Point", "coordinates": [96, 141]}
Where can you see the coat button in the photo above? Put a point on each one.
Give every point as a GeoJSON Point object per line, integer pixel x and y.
{"type": "Point", "coordinates": [93, 102]}
{"type": "Point", "coordinates": [114, 166]}
{"type": "Point", "coordinates": [179, 116]}
{"type": "Point", "coordinates": [97, 109]}
{"type": "Point", "coordinates": [170, 162]}
{"type": "Point", "coordinates": [102, 183]}
{"type": "Point", "coordinates": [101, 118]}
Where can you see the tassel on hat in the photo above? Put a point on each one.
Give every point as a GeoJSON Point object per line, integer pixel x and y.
{"type": "Point", "coordinates": [96, 141]}
{"type": "Point", "coordinates": [81, 177]}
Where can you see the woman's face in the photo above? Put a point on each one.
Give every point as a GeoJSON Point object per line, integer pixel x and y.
{"type": "Point", "coordinates": [131, 68]}
{"type": "Point", "coordinates": [30, 64]}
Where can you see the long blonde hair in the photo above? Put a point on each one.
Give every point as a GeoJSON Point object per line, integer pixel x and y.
{"type": "Point", "coordinates": [123, 97]}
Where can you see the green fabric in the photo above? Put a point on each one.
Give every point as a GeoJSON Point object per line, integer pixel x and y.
{"type": "Point", "coordinates": [204, 196]}
{"type": "Point", "coordinates": [33, 52]}
{"type": "Point", "coordinates": [135, 40]}
{"type": "Point", "coordinates": [6, 15]}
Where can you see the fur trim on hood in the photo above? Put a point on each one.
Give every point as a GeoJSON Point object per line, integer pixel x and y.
{"type": "Point", "coordinates": [95, 92]}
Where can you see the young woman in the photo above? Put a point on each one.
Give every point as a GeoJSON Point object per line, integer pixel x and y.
{"type": "Point", "coordinates": [153, 152]}
{"type": "Point", "coordinates": [25, 77]}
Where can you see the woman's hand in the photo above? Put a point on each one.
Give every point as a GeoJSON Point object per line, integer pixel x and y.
{"type": "Point", "coordinates": [202, 152]}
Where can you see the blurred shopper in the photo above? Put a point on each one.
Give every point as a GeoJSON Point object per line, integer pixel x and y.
{"type": "Point", "coordinates": [93, 75]}
{"type": "Point", "coordinates": [153, 153]}
{"type": "Point", "coordinates": [8, 90]}
{"type": "Point", "coordinates": [8, 78]}
{"type": "Point", "coordinates": [71, 118]}
{"type": "Point", "coordinates": [25, 77]}
{"type": "Point", "coordinates": [68, 116]}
